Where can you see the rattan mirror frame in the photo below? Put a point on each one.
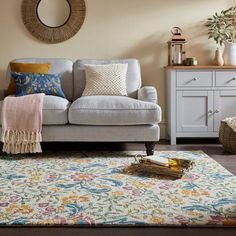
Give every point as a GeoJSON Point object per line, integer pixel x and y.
{"type": "Point", "coordinates": [53, 34]}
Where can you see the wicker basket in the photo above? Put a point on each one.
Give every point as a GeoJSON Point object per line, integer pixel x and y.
{"type": "Point", "coordinates": [227, 137]}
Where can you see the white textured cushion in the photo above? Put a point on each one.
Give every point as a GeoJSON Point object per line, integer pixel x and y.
{"type": "Point", "coordinates": [133, 75]}
{"type": "Point", "coordinates": [113, 110]}
{"type": "Point", "coordinates": [107, 79]}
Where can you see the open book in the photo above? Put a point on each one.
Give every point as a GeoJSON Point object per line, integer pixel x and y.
{"type": "Point", "coordinates": [157, 160]}
{"type": "Point", "coordinates": [156, 164]}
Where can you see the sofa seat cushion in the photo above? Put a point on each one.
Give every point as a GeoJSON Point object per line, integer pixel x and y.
{"type": "Point", "coordinates": [55, 110]}
{"type": "Point", "coordinates": [113, 110]}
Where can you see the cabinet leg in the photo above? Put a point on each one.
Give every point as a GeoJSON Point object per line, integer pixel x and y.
{"type": "Point", "coordinates": [172, 136]}
{"type": "Point", "coordinates": [173, 140]}
{"type": "Point", "coordinates": [150, 147]}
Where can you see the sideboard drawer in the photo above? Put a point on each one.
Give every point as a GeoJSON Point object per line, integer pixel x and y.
{"type": "Point", "coordinates": [194, 79]}
{"type": "Point", "coordinates": [225, 78]}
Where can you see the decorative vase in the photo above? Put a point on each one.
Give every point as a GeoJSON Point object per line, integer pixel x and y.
{"type": "Point", "coordinates": [229, 54]}
{"type": "Point", "coordinates": [219, 61]}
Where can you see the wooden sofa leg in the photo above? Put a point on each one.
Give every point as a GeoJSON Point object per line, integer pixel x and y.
{"type": "Point", "coordinates": [150, 147]}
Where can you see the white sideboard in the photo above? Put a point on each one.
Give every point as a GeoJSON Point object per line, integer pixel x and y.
{"type": "Point", "coordinates": [198, 98]}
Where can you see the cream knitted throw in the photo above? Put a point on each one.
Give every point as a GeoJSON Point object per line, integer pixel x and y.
{"type": "Point", "coordinates": [22, 124]}
{"type": "Point", "coordinates": [231, 122]}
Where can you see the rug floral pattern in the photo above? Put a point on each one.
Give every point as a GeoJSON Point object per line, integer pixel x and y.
{"type": "Point", "coordinates": [95, 189]}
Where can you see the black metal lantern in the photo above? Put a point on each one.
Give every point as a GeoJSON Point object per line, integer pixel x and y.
{"type": "Point", "coordinates": [176, 48]}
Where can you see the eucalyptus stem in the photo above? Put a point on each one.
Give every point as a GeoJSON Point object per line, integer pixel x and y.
{"type": "Point", "coordinates": [222, 26]}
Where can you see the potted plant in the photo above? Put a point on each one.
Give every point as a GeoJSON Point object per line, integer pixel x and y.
{"type": "Point", "coordinates": [222, 28]}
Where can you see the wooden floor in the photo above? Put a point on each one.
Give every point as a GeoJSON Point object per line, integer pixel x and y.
{"type": "Point", "coordinates": [209, 146]}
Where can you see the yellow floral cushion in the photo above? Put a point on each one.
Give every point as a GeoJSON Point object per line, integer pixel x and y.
{"type": "Point", "coordinates": [35, 68]}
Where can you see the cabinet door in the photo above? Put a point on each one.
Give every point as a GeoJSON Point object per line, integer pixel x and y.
{"type": "Point", "coordinates": [194, 111]}
{"type": "Point", "coordinates": [224, 106]}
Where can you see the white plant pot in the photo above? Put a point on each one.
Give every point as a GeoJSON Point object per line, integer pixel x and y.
{"type": "Point", "coordinates": [229, 55]}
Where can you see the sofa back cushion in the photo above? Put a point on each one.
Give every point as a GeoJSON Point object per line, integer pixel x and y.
{"type": "Point", "coordinates": [63, 67]}
{"type": "Point", "coordinates": [133, 77]}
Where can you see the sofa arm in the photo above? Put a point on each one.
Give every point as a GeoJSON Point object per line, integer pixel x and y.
{"type": "Point", "coordinates": [147, 94]}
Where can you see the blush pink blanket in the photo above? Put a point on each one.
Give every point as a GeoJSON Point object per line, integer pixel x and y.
{"type": "Point", "coordinates": [22, 124]}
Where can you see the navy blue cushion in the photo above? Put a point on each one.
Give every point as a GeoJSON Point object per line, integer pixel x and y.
{"type": "Point", "coordinates": [27, 83]}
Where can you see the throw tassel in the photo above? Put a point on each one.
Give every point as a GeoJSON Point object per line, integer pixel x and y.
{"type": "Point", "coordinates": [15, 142]}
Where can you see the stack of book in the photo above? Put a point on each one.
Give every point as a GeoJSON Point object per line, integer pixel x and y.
{"type": "Point", "coordinates": [162, 166]}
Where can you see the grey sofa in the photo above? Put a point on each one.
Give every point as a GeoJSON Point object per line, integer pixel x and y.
{"type": "Point", "coordinates": [133, 118]}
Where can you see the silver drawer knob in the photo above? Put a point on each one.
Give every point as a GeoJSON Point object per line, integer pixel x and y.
{"type": "Point", "coordinates": [234, 78]}
{"type": "Point", "coordinates": [194, 79]}
{"type": "Point", "coordinates": [210, 111]}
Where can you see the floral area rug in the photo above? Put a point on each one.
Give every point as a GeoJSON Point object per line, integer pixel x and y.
{"type": "Point", "coordinates": [94, 189]}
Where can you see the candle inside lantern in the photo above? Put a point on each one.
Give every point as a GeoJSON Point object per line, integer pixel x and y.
{"type": "Point", "coordinates": [178, 58]}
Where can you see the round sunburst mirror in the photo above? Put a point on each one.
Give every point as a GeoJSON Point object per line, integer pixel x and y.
{"type": "Point", "coordinates": [53, 21]}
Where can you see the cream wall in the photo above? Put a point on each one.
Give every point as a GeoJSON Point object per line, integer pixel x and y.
{"type": "Point", "coordinates": [118, 29]}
